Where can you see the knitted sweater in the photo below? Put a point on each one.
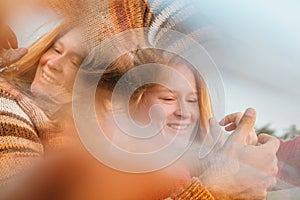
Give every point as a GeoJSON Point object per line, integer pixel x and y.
{"type": "Point", "coordinates": [193, 190]}
{"type": "Point", "coordinates": [25, 132]}
{"type": "Point", "coordinates": [20, 122]}
{"type": "Point", "coordinates": [23, 127]}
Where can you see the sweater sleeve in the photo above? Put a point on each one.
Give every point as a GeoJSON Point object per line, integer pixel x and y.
{"type": "Point", "coordinates": [194, 189]}
{"type": "Point", "coordinates": [288, 164]}
{"type": "Point", "coordinates": [20, 145]}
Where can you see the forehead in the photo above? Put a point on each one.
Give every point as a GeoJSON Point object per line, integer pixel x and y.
{"type": "Point", "coordinates": [179, 77]}
{"type": "Point", "coordinates": [73, 40]}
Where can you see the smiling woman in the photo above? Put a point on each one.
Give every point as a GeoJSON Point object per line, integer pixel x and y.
{"type": "Point", "coordinates": [32, 95]}
{"type": "Point", "coordinates": [181, 94]}
{"type": "Point", "coordinates": [57, 68]}
{"type": "Point", "coordinates": [178, 103]}
{"type": "Point", "coordinates": [169, 105]}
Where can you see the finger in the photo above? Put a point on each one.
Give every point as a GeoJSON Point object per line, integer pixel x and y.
{"type": "Point", "coordinates": [4, 43]}
{"type": "Point", "coordinates": [231, 118]}
{"type": "Point", "coordinates": [269, 141]}
{"type": "Point", "coordinates": [231, 127]}
{"type": "Point", "coordinates": [12, 38]}
{"type": "Point", "coordinates": [4, 36]}
{"type": "Point", "coordinates": [252, 138]}
{"type": "Point", "coordinates": [245, 126]}
{"type": "Point", "coordinates": [15, 55]}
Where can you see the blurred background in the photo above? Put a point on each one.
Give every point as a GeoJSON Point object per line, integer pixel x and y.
{"type": "Point", "coordinates": [260, 61]}
{"type": "Point", "coordinates": [258, 55]}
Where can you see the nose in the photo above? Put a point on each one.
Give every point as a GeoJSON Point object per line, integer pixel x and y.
{"type": "Point", "coordinates": [55, 63]}
{"type": "Point", "coordinates": [182, 111]}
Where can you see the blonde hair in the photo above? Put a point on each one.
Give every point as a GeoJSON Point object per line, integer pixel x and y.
{"type": "Point", "coordinates": [28, 64]}
{"type": "Point", "coordinates": [121, 66]}
{"type": "Point", "coordinates": [170, 59]}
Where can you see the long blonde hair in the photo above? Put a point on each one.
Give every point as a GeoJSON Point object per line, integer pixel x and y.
{"type": "Point", "coordinates": [26, 67]}
{"type": "Point", "coordinates": [122, 65]}
{"type": "Point", "coordinates": [169, 59]}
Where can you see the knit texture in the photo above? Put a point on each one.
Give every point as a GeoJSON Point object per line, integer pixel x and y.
{"type": "Point", "coordinates": [193, 190]}
{"type": "Point", "coordinates": [20, 144]}
{"type": "Point", "coordinates": [26, 133]}
{"type": "Point", "coordinates": [183, 17]}
{"type": "Point", "coordinates": [105, 19]}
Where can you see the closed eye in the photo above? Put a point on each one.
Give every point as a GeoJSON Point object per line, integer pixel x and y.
{"type": "Point", "coordinates": [75, 62]}
{"type": "Point", "coordinates": [192, 100]}
{"type": "Point", "coordinates": [168, 99]}
{"type": "Point", "coordinates": [57, 50]}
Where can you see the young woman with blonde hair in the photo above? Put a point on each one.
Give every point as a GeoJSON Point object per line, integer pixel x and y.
{"type": "Point", "coordinates": [32, 93]}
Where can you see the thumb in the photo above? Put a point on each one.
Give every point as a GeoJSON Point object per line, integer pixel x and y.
{"type": "Point", "coordinates": [11, 37]}
{"type": "Point", "coordinates": [16, 54]}
{"type": "Point", "coordinates": [268, 140]}
{"type": "Point", "coordinates": [245, 126]}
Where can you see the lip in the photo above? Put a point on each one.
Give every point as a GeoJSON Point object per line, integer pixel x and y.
{"type": "Point", "coordinates": [178, 127]}
{"type": "Point", "coordinates": [48, 78]}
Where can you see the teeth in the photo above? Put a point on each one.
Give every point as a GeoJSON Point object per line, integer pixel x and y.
{"type": "Point", "coordinates": [178, 127]}
{"type": "Point", "coordinates": [47, 78]}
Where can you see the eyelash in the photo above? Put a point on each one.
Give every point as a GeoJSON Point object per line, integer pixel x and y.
{"type": "Point", "coordinates": [169, 99]}
{"type": "Point", "coordinates": [57, 50]}
{"type": "Point", "coordinates": [192, 100]}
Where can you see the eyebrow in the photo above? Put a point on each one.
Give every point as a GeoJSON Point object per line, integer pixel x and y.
{"type": "Point", "coordinates": [59, 43]}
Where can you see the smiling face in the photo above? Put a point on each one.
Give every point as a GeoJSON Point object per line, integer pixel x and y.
{"type": "Point", "coordinates": [57, 68]}
{"type": "Point", "coordinates": [176, 103]}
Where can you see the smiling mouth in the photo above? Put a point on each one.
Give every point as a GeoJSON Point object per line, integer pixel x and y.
{"type": "Point", "coordinates": [178, 127]}
{"type": "Point", "coordinates": [48, 79]}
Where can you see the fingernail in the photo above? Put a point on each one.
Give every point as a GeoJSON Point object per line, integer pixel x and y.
{"type": "Point", "coordinates": [250, 112]}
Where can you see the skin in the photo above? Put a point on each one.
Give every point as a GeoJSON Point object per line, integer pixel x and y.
{"type": "Point", "coordinates": [9, 51]}
{"type": "Point", "coordinates": [173, 107]}
{"type": "Point", "coordinates": [57, 68]}
{"type": "Point", "coordinates": [249, 169]}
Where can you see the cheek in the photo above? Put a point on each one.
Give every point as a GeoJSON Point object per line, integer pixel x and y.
{"type": "Point", "coordinates": [149, 108]}
{"type": "Point", "coordinates": [162, 112]}
{"type": "Point", "coordinates": [43, 60]}
{"type": "Point", "coordinates": [169, 110]}
{"type": "Point", "coordinates": [69, 78]}
{"type": "Point", "coordinates": [195, 114]}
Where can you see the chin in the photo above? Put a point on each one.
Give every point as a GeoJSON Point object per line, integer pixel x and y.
{"type": "Point", "coordinates": [41, 92]}
{"type": "Point", "coordinates": [36, 89]}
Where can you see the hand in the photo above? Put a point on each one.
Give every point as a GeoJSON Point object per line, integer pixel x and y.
{"type": "Point", "coordinates": [239, 170]}
{"type": "Point", "coordinates": [9, 51]}
{"type": "Point", "coordinates": [231, 122]}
